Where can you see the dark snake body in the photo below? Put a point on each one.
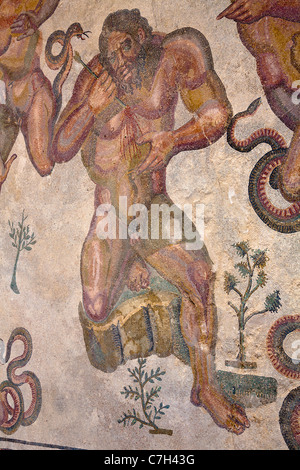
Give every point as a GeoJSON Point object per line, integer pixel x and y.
{"type": "Point", "coordinates": [261, 136]}
{"type": "Point", "coordinates": [20, 416]}
{"type": "Point", "coordinates": [289, 419]}
{"type": "Point", "coordinates": [289, 415]}
{"type": "Point", "coordinates": [63, 60]}
{"type": "Point", "coordinates": [280, 360]}
{"type": "Point", "coordinates": [266, 173]}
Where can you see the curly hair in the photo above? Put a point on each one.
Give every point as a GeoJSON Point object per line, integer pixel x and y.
{"type": "Point", "coordinates": [125, 21]}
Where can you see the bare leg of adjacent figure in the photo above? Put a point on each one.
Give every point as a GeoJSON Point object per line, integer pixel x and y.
{"type": "Point", "coordinates": [290, 172]}
{"type": "Point", "coordinates": [9, 130]}
{"type": "Point", "coordinates": [37, 127]}
{"type": "Point", "coordinates": [281, 101]}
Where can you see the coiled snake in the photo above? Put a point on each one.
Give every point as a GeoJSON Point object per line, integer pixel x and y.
{"type": "Point", "coordinates": [289, 419]}
{"type": "Point", "coordinates": [281, 361]}
{"type": "Point", "coordinates": [63, 60]}
{"type": "Point", "coordinates": [11, 417]}
{"type": "Point", "coordinates": [264, 176]}
{"type": "Point", "coordinates": [289, 415]}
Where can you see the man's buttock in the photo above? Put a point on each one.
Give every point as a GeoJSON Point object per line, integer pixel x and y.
{"type": "Point", "coordinates": [21, 93]}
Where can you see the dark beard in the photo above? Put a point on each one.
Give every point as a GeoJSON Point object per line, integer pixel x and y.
{"type": "Point", "coordinates": [128, 87]}
{"type": "Point", "coordinates": [136, 81]}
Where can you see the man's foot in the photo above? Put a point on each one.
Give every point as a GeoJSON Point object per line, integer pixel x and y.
{"type": "Point", "coordinates": [224, 413]}
{"type": "Point", "coordinates": [139, 277]}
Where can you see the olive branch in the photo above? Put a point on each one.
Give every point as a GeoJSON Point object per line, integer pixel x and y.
{"type": "Point", "coordinates": [150, 412]}
{"type": "Point", "coordinates": [22, 239]}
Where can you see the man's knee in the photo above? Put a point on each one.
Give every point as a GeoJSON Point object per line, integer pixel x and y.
{"type": "Point", "coordinates": [200, 272]}
{"type": "Point", "coordinates": [96, 307]}
{"type": "Point", "coordinates": [38, 150]}
{"type": "Point", "coordinates": [44, 169]}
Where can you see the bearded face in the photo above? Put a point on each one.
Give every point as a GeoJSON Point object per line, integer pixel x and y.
{"type": "Point", "coordinates": [126, 58]}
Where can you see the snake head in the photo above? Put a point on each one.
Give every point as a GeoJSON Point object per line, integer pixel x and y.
{"type": "Point", "coordinates": [254, 105]}
{"type": "Point", "coordinates": [85, 33]}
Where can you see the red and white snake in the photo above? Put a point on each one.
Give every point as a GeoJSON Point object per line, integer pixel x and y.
{"type": "Point", "coordinates": [13, 416]}
{"type": "Point", "coordinates": [264, 175]}
{"type": "Point", "coordinates": [64, 59]}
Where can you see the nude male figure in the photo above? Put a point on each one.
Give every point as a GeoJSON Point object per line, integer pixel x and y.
{"type": "Point", "coordinates": [148, 72]}
{"type": "Point", "coordinates": [30, 103]}
{"type": "Point", "coordinates": [267, 28]}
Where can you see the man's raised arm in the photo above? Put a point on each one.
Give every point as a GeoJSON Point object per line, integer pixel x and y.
{"type": "Point", "coordinates": [78, 117]}
{"type": "Point", "coordinates": [212, 113]}
{"type": "Point", "coordinates": [249, 11]}
{"type": "Point", "coordinates": [203, 95]}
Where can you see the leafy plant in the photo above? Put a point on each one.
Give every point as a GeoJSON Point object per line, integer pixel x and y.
{"type": "Point", "coordinates": [22, 239]}
{"type": "Point", "coordinates": [252, 270]}
{"type": "Point", "coordinates": [150, 412]}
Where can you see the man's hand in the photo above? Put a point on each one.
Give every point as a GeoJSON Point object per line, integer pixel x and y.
{"type": "Point", "coordinates": [162, 145]}
{"type": "Point", "coordinates": [102, 94]}
{"type": "Point", "coordinates": [25, 25]}
{"type": "Point", "coordinates": [138, 277]}
{"type": "Point", "coordinates": [5, 169]}
{"type": "Point", "coordinates": [246, 11]}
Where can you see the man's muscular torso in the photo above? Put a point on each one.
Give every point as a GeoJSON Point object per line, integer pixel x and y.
{"type": "Point", "coordinates": [110, 152]}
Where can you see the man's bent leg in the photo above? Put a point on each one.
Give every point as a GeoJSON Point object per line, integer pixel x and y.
{"type": "Point", "coordinates": [191, 273]}
{"type": "Point", "coordinates": [104, 268]}
{"type": "Point", "coordinates": [37, 128]}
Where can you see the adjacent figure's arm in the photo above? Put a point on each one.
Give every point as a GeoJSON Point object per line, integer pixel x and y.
{"type": "Point", "coordinates": [286, 10]}
{"type": "Point", "coordinates": [28, 22]}
{"type": "Point", "coordinates": [249, 11]}
{"type": "Point", "coordinates": [90, 97]}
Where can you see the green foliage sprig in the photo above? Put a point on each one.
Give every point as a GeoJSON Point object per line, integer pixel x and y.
{"type": "Point", "coordinates": [22, 239]}
{"type": "Point", "coordinates": [252, 270]}
{"type": "Point", "coordinates": [150, 412]}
